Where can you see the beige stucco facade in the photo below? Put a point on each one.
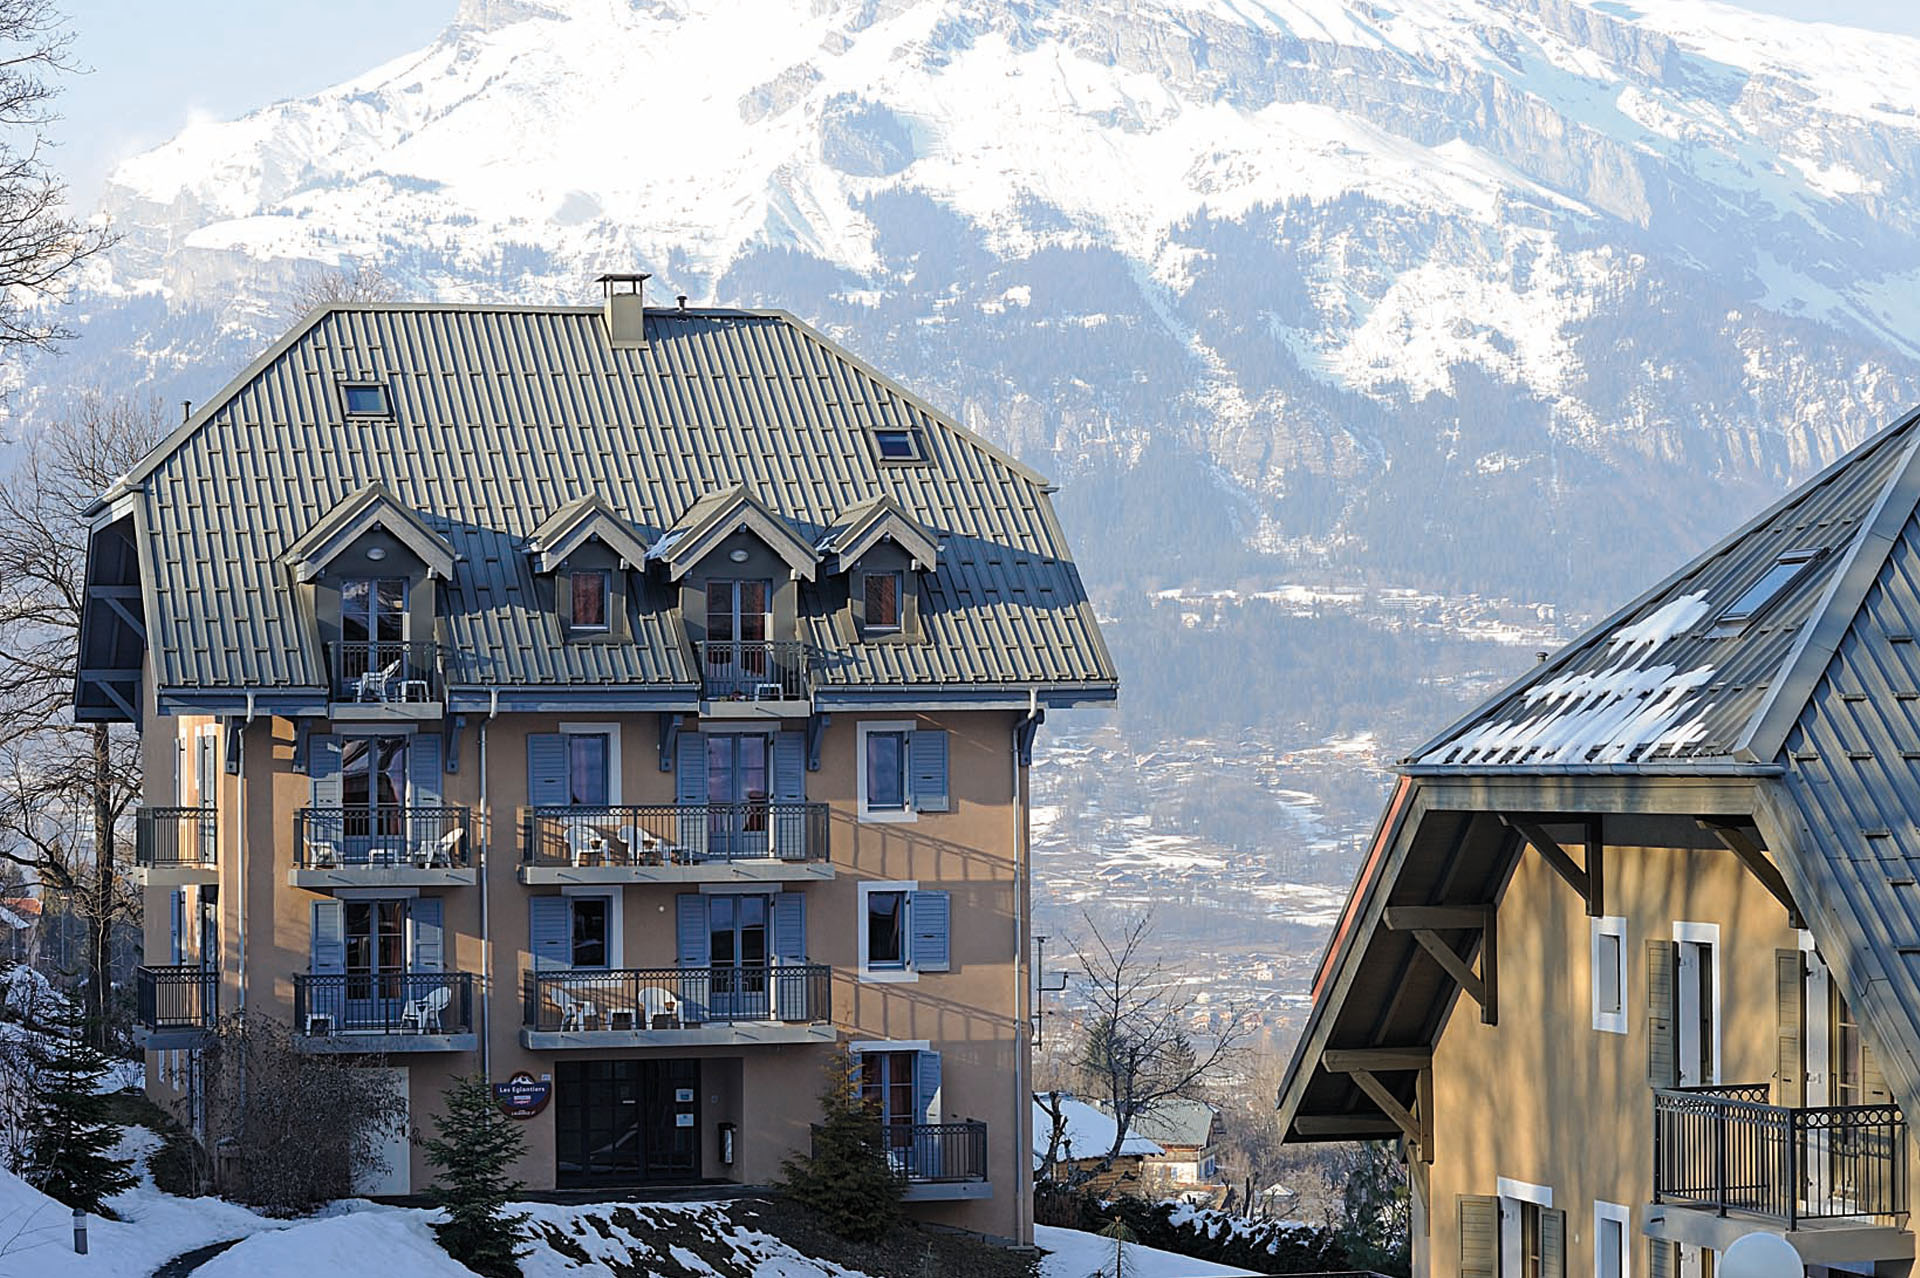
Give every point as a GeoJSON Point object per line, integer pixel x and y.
{"type": "Point", "coordinates": [974, 1014]}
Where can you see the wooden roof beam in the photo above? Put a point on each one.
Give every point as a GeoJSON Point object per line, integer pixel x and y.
{"type": "Point", "coordinates": [1421, 921]}
{"type": "Point", "coordinates": [1743, 842]}
{"type": "Point", "coordinates": [1588, 880]}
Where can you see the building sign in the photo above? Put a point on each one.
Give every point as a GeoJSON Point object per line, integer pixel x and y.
{"type": "Point", "coordinates": [523, 1095]}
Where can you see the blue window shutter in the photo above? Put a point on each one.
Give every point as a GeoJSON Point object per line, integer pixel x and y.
{"type": "Point", "coordinates": [424, 761]}
{"type": "Point", "coordinates": [428, 929]}
{"type": "Point", "coordinates": [926, 1087]}
{"type": "Point", "coordinates": [790, 767]}
{"type": "Point", "coordinates": [176, 918]}
{"type": "Point", "coordinates": [323, 771]}
{"type": "Point", "coordinates": [550, 932]}
{"type": "Point", "coordinates": [547, 770]}
{"type": "Point", "coordinates": [690, 791]}
{"type": "Point", "coordinates": [929, 916]}
{"type": "Point", "coordinates": [329, 955]}
{"type": "Point", "coordinates": [790, 927]}
{"type": "Point", "coordinates": [693, 945]}
{"type": "Point", "coordinates": [927, 769]}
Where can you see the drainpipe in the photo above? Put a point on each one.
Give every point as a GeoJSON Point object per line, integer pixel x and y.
{"type": "Point", "coordinates": [1022, 889]}
{"type": "Point", "coordinates": [240, 840]}
{"type": "Point", "coordinates": [486, 935]}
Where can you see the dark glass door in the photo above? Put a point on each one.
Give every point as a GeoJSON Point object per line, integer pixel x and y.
{"type": "Point", "coordinates": [737, 790]}
{"type": "Point", "coordinates": [739, 623]}
{"type": "Point", "coordinates": [886, 1084]}
{"type": "Point", "coordinates": [373, 789]}
{"type": "Point", "coordinates": [737, 935]}
{"type": "Point", "coordinates": [625, 1121]}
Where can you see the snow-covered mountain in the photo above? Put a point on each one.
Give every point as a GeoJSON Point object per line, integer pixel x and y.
{"type": "Point", "coordinates": [1447, 293]}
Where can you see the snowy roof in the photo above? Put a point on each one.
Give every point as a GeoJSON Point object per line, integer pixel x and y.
{"type": "Point", "coordinates": [1089, 1133]}
{"type": "Point", "coordinates": [1672, 680]}
{"type": "Point", "coordinates": [1184, 1123]}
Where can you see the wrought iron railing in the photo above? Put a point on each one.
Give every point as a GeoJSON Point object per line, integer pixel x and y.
{"type": "Point", "coordinates": [172, 837]}
{"type": "Point", "coordinates": [375, 1003]}
{"type": "Point", "coordinates": [675, 834]}
{"type": "Point", "coordinates": [182, 996]}
{"type": "Point", "coordinates": [597, 1000]}
{"type": "Point", "coordinates": [363, 838]}
{"type": "Point", "coordinates": [935, 1153]}
{"type": "Point", "coordinates": [1726, 1148]}
{"type": "Point", "coordinates": [386, 672]}
{"type": "Point", "coordinates": [755, 669]}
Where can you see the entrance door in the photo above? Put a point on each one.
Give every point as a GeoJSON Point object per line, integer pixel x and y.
{"type": "Point", "coordinates": [737, 792]}
{"type": "Point", "coordinates": [393, 1172]}
{"type": "Point", "coordinates": [886, 1084]}
{"type": "Point", "coordinates": [739, 621]}
{"type": "Point", "coordinates": [373, 790]}
{"type": "Point", "coordinates": [626, 1121]}
{"type": "Point", "coordinates": [737, 937]}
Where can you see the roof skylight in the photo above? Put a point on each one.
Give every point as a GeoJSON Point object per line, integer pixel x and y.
{"type": "Point", "coordinates": [896, 445]}
{"type": "Point", "coordinates": [1773, 583]}
{"type": "Point", "coordinates": [366, 399]}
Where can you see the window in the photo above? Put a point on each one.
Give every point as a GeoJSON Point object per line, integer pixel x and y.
{"type": "Point", "coordinates": [366, 400]}
{"type": "Point", "coordinates": [882, 591]}
{"type": "Point", "coordinates": [896, 445]}
{"type": "Point", "coordinates": [590, 930]}
{"type": "Point", "coordinates": [590, 601]}
{"type": "Point", "coordinates": [1610, 975]}
{"type": "Point", "coordinates": [587, 754]}
{"type": "Point", "coordinates": [887, 929]}
{"type": "Point", "coordinates": [1610, 1235]}
{"type": "Point", "coordinates": [886, 772]}
{"type": "Point", "coordinates": [1772, 584]}
{"type": "Point", "coordinates": [373, 610]}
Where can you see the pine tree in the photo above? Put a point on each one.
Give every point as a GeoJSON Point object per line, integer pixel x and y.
{"type": "Point", "coordinates": [846, 1179]}
{"type": "Point", "coordinates": [476, 1145]}
{"type": "Point", "coordinates": [67, 1156]}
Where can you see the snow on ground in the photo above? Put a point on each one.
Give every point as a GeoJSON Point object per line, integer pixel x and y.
{"type": "Point", "coordinates": [375, 1241]}
{"type": "Point", "coordinates": [36, 1233]}
{"type": "Point", "coordinates": [1072, 1254]}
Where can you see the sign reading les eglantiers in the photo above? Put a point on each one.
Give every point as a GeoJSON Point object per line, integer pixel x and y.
{"type": "Point", "coordinates": [523, 1095]}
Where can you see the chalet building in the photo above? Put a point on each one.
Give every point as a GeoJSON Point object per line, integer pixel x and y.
{"type": "Point", "coordinates": [1187, 1167]}
{"type": "Point", "coordinates": [1633, 961]}
{"type": "Point", "coordinates": [636, 701]}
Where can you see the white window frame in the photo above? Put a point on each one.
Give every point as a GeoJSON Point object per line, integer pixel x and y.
{"type": "Point", "coordinates": [616, 932]}
{"type": "Point", "coordinates": [1708, 934]}
{"type": "Point", "coordinates": [611, 731]}
{"type": "Point", "coordinates": [1614, 1022]}
{"type": "Point", "coordinates": [904, 974]}
{"type": "Point", "coordinates": [905, 815]}
{"type": "Point", "coordinates": [1622, 1216]}
{"type": "Point", "coordinates": [1512, 1194]}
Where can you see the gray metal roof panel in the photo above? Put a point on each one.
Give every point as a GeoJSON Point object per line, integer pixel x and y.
{"type": "Point", "coordinates": [502, 416]}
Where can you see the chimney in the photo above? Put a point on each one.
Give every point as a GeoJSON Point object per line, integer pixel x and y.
{"type": "Point", "coordinates": [625, 311]}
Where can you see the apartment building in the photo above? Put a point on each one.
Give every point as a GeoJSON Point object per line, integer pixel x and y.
{"type": "Point", "coordinates": [630, 703]}
{"type": "Point", "coordinates": [1632, 966]}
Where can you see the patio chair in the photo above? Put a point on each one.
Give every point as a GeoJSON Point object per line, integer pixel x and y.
{"type": "Point", "coordinates": [374, 684]}
{"type": "Point", "coordinates": [423, 1013]}
{"type": "Point", "coordinates": [574, 1012]}
{"type": "Point", "coordinates": [663, 1009]}
{"type": "Point", "coordinates": [643, 847]}
{"type": "Point", "coordinates": [584, 845]}
{"type": "Point", "coordinates": [438, 854]}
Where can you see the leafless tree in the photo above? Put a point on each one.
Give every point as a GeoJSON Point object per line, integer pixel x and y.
{"type": "Point", "coordinates": [356, 281]}
{"type": "Point", "coordinates": [1140, 1045]}
{"type": "Point", "coordinates": [66, 788]}
{"type": "Point", "coordinates": [39, 242]}
{"type": "Point", "coordinates": [300, 1126]}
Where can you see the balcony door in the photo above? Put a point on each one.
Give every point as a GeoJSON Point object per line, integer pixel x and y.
{"type": "Point", "coordinates": [376, 934]}
{"type": "Point", "coordinates": [373, 625]}
{"type": "Point", "coordinates": [737, 790]}
{"type": "Point", "coordinates": [373, 793]}
{"type": "Point", "coordinates": [1697, 987]}
{"type": "Point", "coordinates": [739, 623]}
{"type": "Point", "coordinates": [738, 941]}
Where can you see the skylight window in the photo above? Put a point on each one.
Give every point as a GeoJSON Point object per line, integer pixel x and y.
{"type": "Point", "coordinates": [366, 399]}
{"type": "Point", "coordinates": [1775, 582]}
{"type": "Point", "coordinates": [896, 445]}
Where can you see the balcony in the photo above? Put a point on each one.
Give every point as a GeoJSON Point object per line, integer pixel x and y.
{"type": "Point", "coordinates": [173, 847]}
{"type": "Point", "coordinates": [385, 680]}
{"type": "Point", "coordinates": [940, 1161]}
{"type": "Point", "coordinates": [175, 1007]}
{"type": "Point", "coordinates": [675, 843]}
{"type": "Point", "coordinates": [678, 1007]}
{"type": "Point", "coordinates": [381, 847]}
{"type": "Point", "coordinates": [747, 677]}
{"type": "Point", "coordinates": [1833, 1180]}
{"type": "Point", "coordinates": [387, 1012]}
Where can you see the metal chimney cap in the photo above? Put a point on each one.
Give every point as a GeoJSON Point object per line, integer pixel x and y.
{"type": "Point", "coordinates": [633, 279]}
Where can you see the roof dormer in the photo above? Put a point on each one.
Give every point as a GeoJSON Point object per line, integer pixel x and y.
{"type": "Point", "coordinates": [881, 521]}
{"type": "Point", "coordinates": [370, 510]}
{"type": "Point", "coordinates": [715, 518]}
{"type": "Point", "coordinates": [881, 551]}
{"type": "Point", "coordinates": [580, 522]}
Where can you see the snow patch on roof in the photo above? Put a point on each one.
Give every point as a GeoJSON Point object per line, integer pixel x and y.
{"type": "Point", "coordinates": [1675, 617]}
{"type": "Point", "coordinates": [1627, 714]}
{"type": "Point", "coordinates": [1089, 1133]}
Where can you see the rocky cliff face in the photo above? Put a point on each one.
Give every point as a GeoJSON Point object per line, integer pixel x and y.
{"type": "Point", "coordinates": [1446, 295]}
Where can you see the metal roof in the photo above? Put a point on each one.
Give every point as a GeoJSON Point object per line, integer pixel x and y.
{"type": "Point", "coordinates": [1664, 680]}
{"type": "Point", "coordinates": [501, 417]}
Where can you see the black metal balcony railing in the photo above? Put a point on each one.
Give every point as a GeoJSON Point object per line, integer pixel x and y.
{"type": "Point", "coordinates": [386, 672]}
{"type": "Point", "coordinates": [1726, 1148]}
{"type": "Point", "coordinates": [675, 834]}
{"type": "Point", "coordinates": [172, 837]}
{"type": "Point", "coordinates": [383, 1003]}
{"type": "Point", "coordinates": [675, 997]}
{"type": "Point", "coordinates": [362, 838]}
{"type": "Point", "coordinates": [755, 669]}
{"type": "Point", "coordinates": [935, 1153]}
{"type": "Point", "coordinates": [183, 996]}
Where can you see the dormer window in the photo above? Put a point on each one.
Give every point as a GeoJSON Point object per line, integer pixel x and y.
{"type": "Point", "coordinates": [883, 592]}
{"type": "Point", "coordinates": [366, 399]}
{"type": "Point", "coordinates": [895, 445]}
{"type": "Point", "coordinates": [590, 591]}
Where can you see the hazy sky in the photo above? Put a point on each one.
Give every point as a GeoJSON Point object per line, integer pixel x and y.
{"type": "Point", "coordinates": [154, 65]}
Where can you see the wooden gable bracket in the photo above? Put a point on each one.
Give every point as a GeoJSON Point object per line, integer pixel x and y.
{"type": "Point", "coordinates": [1425, 922]}
{"type": "Point", "coordinates": [1589, 881]}
{"type": "Point", "coordinates": [1363, 1066]}
{"type": "Point", "coordinates": [816, 733]}
{"type": "Point", "coordinates": [669, 738]}
{"type": "Point", "coordinates": [1742, 841]}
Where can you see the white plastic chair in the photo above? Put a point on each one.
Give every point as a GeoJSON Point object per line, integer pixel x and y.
{"type": "Point", "coordinates": [582, 842]}
{"type": "Point", "coordinates": [659, 1003]}
{"type": "Point", "coordinates": [438, 853]}
{"type": "Point", "coordinates": [574, 1012]}
{"type": "Point", "coordinates": [423, 1013]}
{"type": "Point", "coordinates": [376, 682]}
